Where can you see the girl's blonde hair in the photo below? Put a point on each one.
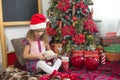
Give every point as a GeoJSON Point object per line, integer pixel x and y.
{"type": "Point", "coordinates": [30, 36]}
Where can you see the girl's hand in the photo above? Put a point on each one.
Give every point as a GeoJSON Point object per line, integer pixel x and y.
{"type": "Point", "coordinates": [41, 56]}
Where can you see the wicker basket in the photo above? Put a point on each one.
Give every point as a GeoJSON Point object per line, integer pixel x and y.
{"type": "Point", "coordinates": [113, 56]}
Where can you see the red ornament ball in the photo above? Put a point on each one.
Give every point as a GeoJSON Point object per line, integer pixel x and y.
{"type": "Point", "coordinates": [77, 61]}
{"type": "Point", "coordinates": [91, 63]}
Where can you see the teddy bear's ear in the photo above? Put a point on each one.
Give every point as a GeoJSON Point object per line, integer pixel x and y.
{"type": "Point", "coordinates": [52, 52]}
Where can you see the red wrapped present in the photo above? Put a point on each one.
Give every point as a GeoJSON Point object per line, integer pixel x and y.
{"type": "Point", "coordinates": [65, 63]}
{"type": "Point", "coordinates": [110, 40]}
{"type": "Point", "coordinates": [77, 53]}
{"type": "Point", "coordinates": [94, 54]}
{"type": "Point", "coordinates": [110, 34]}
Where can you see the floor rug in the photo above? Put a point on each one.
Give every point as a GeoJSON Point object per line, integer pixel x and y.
{"type": "Point", "coordinates": [109, 71]}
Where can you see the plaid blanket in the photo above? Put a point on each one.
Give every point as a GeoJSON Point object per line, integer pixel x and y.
{"type": "Point", "coordinates": [17, 74]}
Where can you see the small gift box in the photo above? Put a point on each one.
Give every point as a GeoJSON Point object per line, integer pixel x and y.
{"type": "Point", "coordinates": [65, 63]}
{"type": "Point", "coordinates": [110, 40]}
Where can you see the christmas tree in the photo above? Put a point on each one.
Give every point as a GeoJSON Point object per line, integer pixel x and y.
{"type": "Point", "coordinates": [71, 23]}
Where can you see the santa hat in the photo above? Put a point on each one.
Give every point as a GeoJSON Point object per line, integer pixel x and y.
{"type": "Point", "coordinates": [38, 21]}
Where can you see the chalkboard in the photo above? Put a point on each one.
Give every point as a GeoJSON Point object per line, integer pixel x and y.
{"type": "Point", "coordinates": [18, 10]}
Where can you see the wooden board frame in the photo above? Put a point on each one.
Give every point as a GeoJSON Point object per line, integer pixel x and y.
{"type": "Point", "coordinates": [2, 35]}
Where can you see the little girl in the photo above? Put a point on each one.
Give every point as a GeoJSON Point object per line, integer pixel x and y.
{"type": "Point", "coordinates": [36, 43]}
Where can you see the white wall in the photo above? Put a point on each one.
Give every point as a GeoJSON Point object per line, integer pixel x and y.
{"type": "Point", "coordinates": [45, 6]}
{"type": "Point", "coordinates": [108, 11]}
{"type": "Point", "coordinates": [105, 10]}
{"type": "Point", "coordinates": [14, 32]}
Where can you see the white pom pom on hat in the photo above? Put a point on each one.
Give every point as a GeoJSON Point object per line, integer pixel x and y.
{"type": "Point", "coordinates": [38, 21]}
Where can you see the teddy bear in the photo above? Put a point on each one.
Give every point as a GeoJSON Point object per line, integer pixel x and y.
{"type": "Point", "coordinates": [50, 57]}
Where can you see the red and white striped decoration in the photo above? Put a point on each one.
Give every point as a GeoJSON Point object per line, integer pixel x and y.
{"type": "Point", "coordinates": [103, 58]}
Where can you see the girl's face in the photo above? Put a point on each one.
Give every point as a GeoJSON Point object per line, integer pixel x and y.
{"type": "Point", "coordinates": [38, 33]}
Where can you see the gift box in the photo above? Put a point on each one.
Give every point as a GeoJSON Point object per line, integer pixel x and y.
{"type": "Point", "coordinates": [77, 53]}
{"type": "Point", "coordinates": [112, 56]}
{"type": "Point", "coordinates": [110, 40]}
{"type": "Point", "coordinates": [115, 48]}
{"type": "Point", "coordinates": [110, 34]}
{"type": "Point", "coordinates": [65, 63]}
{"type": "Point", "coordinates": [91, 54]}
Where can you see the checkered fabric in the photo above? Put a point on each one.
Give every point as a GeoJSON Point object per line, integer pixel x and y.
{"type": "Point", "coordinates": [110, 40]}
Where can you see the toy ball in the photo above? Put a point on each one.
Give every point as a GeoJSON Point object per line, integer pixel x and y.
{"type": "Point", "coordinates": [77, 61]}
{"type": "Point", "coordinates": [91, 63]}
